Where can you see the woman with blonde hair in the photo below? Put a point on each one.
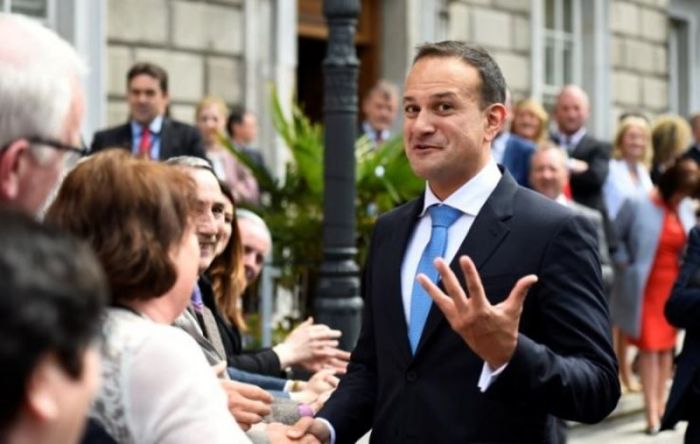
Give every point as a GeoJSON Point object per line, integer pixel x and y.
{"type": "Point", "coordinates": [628, 177]}
{"type": "Point", "coordinates": [210, 116]}
{"type": "Point", "coordinates": [670, 136]}
{"type": "Point", "coordinates": [530, 120]}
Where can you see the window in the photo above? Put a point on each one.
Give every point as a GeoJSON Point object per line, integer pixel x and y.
{"type": "Point", "coordinates": [41, 10]}
{"type": "Point", "coordinates": [562, 45]}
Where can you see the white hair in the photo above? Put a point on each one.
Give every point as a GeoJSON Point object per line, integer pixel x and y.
{"type": "Point", "coordinates": [40, 76]}
{"type": "Point", "coordinates": [242, 213]}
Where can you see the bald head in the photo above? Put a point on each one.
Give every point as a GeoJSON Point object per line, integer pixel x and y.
{"type": "Point", "coordinates": [571, 109]}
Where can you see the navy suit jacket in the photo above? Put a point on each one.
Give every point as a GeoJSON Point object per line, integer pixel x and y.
{"type": "Point", "coordinates": [177, 139]}
{"type": "Point", "coordinates": [516, 158]}
{"type": "Point", "coordinates": [683, 311]}
{"type": "Point", "coordinates": [563, 364]}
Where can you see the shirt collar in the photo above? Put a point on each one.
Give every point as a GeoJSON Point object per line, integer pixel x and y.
{"type": "Point", "coordinates": [470, 197]}
{"type": "Point", "coordinates": [372, 133]}
{"type": "Point", "coordinates": [574, 138]}
{"type": "Point", "coordinates": [562, 199]}
{"type": "Point", "coordinates": [155, 126]}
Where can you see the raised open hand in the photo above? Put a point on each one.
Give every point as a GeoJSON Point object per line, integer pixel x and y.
{"type": "Point", "coordinates": [491, 331]}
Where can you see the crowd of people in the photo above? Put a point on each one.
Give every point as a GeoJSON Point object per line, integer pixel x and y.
{"type": "Point", "coordinates": [555, 252]}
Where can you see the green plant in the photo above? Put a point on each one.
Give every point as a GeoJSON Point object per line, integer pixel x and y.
{"type": "Point", "coordinates": [293, 205]}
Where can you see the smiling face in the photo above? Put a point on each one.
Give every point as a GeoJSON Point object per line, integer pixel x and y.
{"type": "Point", "coordinates": [447, 136]}
{"type": "Point", "coordinates": [634, 143]}
{"type": "Point", "coordinates": [210, 213]}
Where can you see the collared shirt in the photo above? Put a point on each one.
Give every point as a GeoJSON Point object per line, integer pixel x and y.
{"type": "Point", "coordinates": [469, 199]}
{"type": "Point", "coordinates": [498, 146]}
{"type": "Point", "coordinates": [155, 126]}
{"type": "Point", "coordinates": [373, 133]}
{"type": "Point", "coordinates": [569, 141]}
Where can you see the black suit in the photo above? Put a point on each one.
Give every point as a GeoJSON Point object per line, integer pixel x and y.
{"type": "Point", "coordinates": [683, 311]}
{"type": "Point", "coordinates": [563, 365]}
{"type": "Point", "coordinates": [263, 361]}
{"type": "Point", "coordinates": [176, 139]}
{"type": "Point", "coordinates": [586, 187]}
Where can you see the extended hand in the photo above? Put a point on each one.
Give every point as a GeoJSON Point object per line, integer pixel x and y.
{"type": "Point", "coordinates": [247, 403]}
{"type": "Point", "coordinates": [309, 426]}
{"type": "Point", "coordinates": [491, 331]}
{"type": "Point", "coordinates": [310, 345]}
{"type": "Point", "coordinates": [277, 434]}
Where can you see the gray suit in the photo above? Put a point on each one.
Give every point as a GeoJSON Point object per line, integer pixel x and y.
{"type": "Point", "coordinates": [596, 218]}
{"type": "Point", "coordinates": [638, 226]}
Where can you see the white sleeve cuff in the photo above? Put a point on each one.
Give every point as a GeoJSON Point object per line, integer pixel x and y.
{"type": "Point", "coordinates": [330, 428]}
{"type": "Point", "coordinates": [488, 376]}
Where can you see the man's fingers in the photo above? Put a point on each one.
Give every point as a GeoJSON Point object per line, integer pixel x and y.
{"type": "Point", "coordinates": [247, 418]}
{"type": "Point", "coordinates": [219, 369]}
{"type": "Point", "coordinates": [476, 290]}
{"type": "Point", "coordinates": [451, 283]}
{"type": "Point", "coordinates": [446, 304]}
{"type": "Point", "coordinates": [516, 298]}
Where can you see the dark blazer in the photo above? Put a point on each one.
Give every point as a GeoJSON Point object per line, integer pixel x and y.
{"type": "Point", "coordinates": [516, 158]}
{"type": "Point", "coordinates": [177, 139]}
{"type": "Point", "coordinates": [683, 311]}
{"type": "Point", "coordinates": [264, 361]}
{"type": "Point", "coordinates": [587, 187]}
{"type": "Point", "coordinates": [563, 365]}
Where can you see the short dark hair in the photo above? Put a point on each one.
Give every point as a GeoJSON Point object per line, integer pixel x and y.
{"type": "Point", "coordinates": [493, 85]}
{"type": "Point", "coordinates": [235, 117]}
{"type": "Point", "coordinates": [150, 69]}
{"type": "Point", "coordinates": [133, 212]}
{"type": "Point", "coordinates": [52, 297]}
{"type": "Point", "coordinates": [681, 176]}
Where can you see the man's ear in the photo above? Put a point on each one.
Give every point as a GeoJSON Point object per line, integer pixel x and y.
{"type": "Point", "coordinates": [11, 168]}
{"type": "Point", "coordinates": [41, 399]}
{"type": "Point", "coordinates": [495, 117]}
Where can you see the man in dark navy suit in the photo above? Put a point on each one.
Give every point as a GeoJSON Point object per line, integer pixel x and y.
{"type": "Point", "coordinates": [683, 311]}
{"type": "Point", "coordinates": [149, 132]}
{"type": "Point", "coordinates": [477, 358]}
{"type": "Point", "coordinates": [511, 151]}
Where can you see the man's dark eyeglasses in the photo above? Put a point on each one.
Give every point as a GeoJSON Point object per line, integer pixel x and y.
{"type": "Point", "coordinates": [79, 150]}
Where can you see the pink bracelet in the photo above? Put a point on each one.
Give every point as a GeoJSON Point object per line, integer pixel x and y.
{"type": "Point", "coordinates": [305, 410]}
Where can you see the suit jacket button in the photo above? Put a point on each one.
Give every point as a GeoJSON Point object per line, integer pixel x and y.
{"type": "Point", "coordinates": [411, 376]}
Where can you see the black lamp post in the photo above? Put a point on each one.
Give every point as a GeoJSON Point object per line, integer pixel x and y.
{"type": "Point", "coordinates": [338, 303]}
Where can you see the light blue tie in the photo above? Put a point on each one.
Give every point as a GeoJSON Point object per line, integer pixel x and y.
{"type": "Point", "coordinates": [442, 217]}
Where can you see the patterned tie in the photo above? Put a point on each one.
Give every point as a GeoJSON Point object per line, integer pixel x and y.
{"type": "Point", "coordinates": [442, 217]}
{"type": "Point", "coordinates": [145, 143]}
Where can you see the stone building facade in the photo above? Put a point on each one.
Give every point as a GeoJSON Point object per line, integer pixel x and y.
{"type": "Point", "coordinates": [641, 55]}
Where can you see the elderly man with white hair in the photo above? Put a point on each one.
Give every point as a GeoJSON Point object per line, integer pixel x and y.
{"type": "Point", "coordinates": [41, 112]}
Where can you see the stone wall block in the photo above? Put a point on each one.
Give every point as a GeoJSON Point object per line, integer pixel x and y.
{"type": "Point", "coordinates": [224, 78]}
{"type": "Point", "coordinates": [513, 5]}
{"type": "Point", "coordinates": [521, 34]}
{"type": "Point", "coordinates": [459, 23]}
{"type": "Point", "coordinates": [655, 93]}
{"type": "Point", "coordinates": [117, 112]}
{"type": "Point", "coordinates": [516, 70]}
{"type": "Point", "coordinates": [624, 18]}
{"type": "Point", "coordinates": [202, 26]}
{"type": "Point", "coordinates": [138, 20]}
{"type": "Point", "coordinates": [186, 71]}
{"type": "Point", "coordinates": [627, 88]}
{"type": "Point", "coordinates": [492, 29]}
{"type": "Point", "coordinates": [654, 25]}
{"type": "Point", "coordinates": [119, 61]}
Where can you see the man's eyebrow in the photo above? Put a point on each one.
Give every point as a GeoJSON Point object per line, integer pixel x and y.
{"type": "Point", "coordinates": [442, 95]}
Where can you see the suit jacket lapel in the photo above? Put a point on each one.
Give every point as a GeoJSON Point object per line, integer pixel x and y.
{"type": "Point", "coordinates": [166, 140]}
{"type": "Point", "coordinates": [392, 253]}
{"type": "Point", "coordinates": [487, 232]}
